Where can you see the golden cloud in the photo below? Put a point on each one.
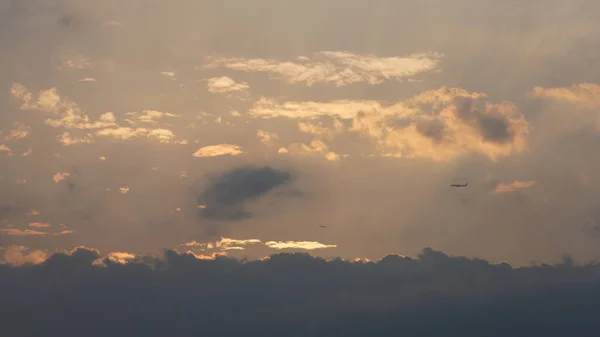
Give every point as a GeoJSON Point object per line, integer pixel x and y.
{"type": "Point", "coordinates": [218, 150]}
{"type": "Point", "coordinates": [225, 85]}
{"type": "Point", "coordinates": [120, 257]}
{"type": "Point", "coordinates": [437, 124]}
{"type": "Point", "coordinates": [19, 131]}
{"type": "Point", "coordinates": [586, 95]}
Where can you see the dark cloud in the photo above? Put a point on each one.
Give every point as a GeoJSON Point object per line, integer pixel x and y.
{"type": "Point", "coordinates": [297, 295]}
{"type": "Point", "coordinates": [227, 193]}
{"type": "Point", "coordinates": [433, 129]}
{"type": "Point", "coordinates": [493, 126]}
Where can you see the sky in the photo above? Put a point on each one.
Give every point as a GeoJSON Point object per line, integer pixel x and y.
{"type": "Point", "coordinates": [301, 136]}
{"type": "Point", "coordinates": [149, 125]}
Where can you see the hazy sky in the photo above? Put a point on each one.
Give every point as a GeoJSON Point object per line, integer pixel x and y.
{"type": "Point", "coordinates": [239, 127]}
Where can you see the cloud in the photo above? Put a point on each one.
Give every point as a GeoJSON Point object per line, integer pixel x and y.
{"type": "Point", "coordinates": [67, 114]}
{"type": "Point", "coordinates": [21, 232]}
{"type": "Point", "coordinates": [438, 293]}
{"type": "Point", "coordinates": [18, 131]}
{"type": "Point", "coordinates": [66, 139]}
{"type": "Point", "coordinates": [319, 129]}
{"type": "Point", "coordinates": [120, 257]}
{"type": "Point", "coordinates": [87, 79]}
{"type": "Point", "coordinates": [514, 186]}
{"type": "Point", "coordinates": [77, 62]}
{"type": "Point", "coordinates": [20, 255]}
{"type": "Point", "coordinates": [226, 194]}
{"type": "Point", "coordinates": [113, 23]}
{"type": "Point", "coordinates": [306, 245]}
{"type": "Point", "coordinates": [225, 85]}
{"type": "Point", "coordinates": [269, 139]}
{"type": "Point", "coordinates": [4, 148]}
{"type": "Point", "coordinates": [60, 176]}
{"type": "Point", "coordinates": [39, 225]}
{"type": "Point", "coordinates": [218, 150]}
{"type": "Point", "coordinates": [438, 124]}
{"type": "Point", "coordinates": [316, 147]}
{"type": "Point", "coordinates": [586, 95]}
{"type": "Point", "coordinates": [70, 116]}
{"type": "Point", "coordinates": [226, 244]}
{"type": "Point", "coordinates": [168, 74]}
{"type": "Point", "coordinates": [147, 116]}
{"type": "Point", "coordinates": [338, 67]}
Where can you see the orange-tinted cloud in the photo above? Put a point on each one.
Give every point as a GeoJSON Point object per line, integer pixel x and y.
{"type": "Point", "coordinates": [514, 186]}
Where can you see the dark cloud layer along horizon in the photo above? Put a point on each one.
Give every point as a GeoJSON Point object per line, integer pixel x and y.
{"type": "Point", "coordinates": [83, 293]}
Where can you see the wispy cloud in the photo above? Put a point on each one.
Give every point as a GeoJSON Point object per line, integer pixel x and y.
{"type": "Point", "coordinates": [39, 225]}
{"type": "Point", "coordinates": [147, 116]}
{"type": "Point", "coordinates": [169, 74]}
{"type": "Point", "coordinates": [77, 62]}
{"type": "Point", "coordinates": [587, 95]}
{"type": "Point", "coordinates": [514, 186]}
{"type": "Point", "coordinates": [22, 232]}
{"type": "Point", "coordinates": [338, 67]}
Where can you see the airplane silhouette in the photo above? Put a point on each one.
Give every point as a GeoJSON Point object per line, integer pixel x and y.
{"type": "Point", "coordinates": [321, 226]}
{"type": "Point", "coordinates": [459, 185]}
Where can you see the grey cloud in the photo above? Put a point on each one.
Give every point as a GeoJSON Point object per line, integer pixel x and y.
{"type": "Point", "coordinates": [432, 128]}
{"type": "Point", "coordinates": [493, 126]}
{"type": "Point", "coordinates": [297, 295]}
{"type": "Point", "coordinates": [227, 193]}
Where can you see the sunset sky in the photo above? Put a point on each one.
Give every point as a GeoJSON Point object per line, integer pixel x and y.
{"type": "Point", "coordinates": [139, 126]}
{"type": "Point", "coordinates": [194, 136]}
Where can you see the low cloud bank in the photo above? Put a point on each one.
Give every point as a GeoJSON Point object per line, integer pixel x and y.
{"type": "Point", "coordinates": [82, 293]}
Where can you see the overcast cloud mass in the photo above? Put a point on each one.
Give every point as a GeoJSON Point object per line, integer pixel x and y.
{"type": "Point", "coordinates": [180, 143]}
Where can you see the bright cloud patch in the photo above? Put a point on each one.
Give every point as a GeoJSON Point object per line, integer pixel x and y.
{"type": "Point", "coordinates": [218, 150]}
{"type": "Point", "coordinates": [337, 67]}
{"type": "Point", "coordinates": [60, 176]}
{"type": "Point", "coordinates": [6, 149]}
{"type": "Point", "coordinates": [120, 257]}
{"type": "Point", "coordinates": [306, 245]}
{"type": "Point", "coordinates": [87, 79]}
{"type": "Point", "coordinates": [224, 85]}
{"type": "Point", "coordinates": [233, 244]}
{"type": "Point", "coordinates": [514, 186]}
